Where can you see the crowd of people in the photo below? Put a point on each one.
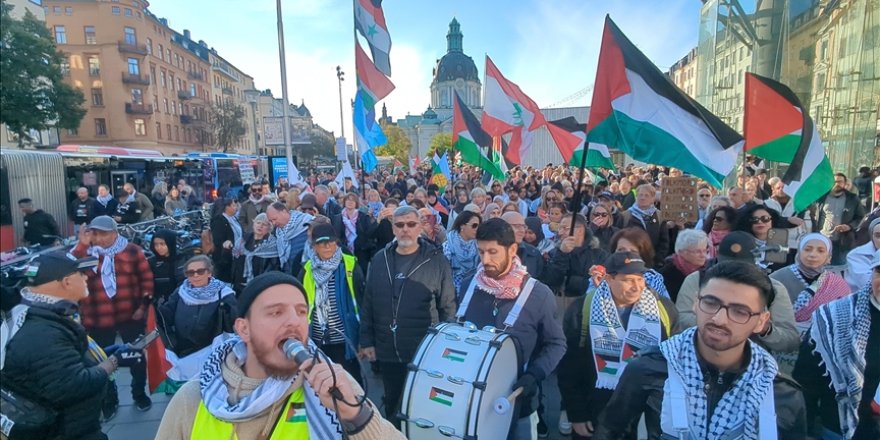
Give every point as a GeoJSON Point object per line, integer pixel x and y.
{"type": "Point", "coordinates": [754, 321]}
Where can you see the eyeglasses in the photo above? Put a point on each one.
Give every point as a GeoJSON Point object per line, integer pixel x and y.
{"type": "Point", "coordinates": [718, 219]}
{"type": "Point", "coordinates": [705, 195]}
{"type": "Point", "coordinates": [194, 272]}
{"type": "Point", "coordinates": [761, 219]}
{"type": "Point", "coordinates": [600, 214]}
{"type": "Point", "coordinates": [401, 225]}
{"type": "Point", "coordinates": [474, 225]}
{"type": "Point", "coordinates": [736, 313]}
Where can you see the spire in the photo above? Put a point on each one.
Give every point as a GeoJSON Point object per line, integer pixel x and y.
{"type": "Point", "coordinates": [454, 37]}
{"type": "Point", "coordinates": [384, 112]}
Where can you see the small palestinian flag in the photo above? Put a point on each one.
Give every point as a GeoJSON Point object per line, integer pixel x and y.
{"type": "Point", "coordinates": [296, 413]}
{"type": "Point", "coordinates": [454, 355]}
{"type": "Point", "coordinates": [441, 396]}
{"type": "Point", "coordinates": [628, 353]}
{"type": "Point", "coordinates": [603, 367]}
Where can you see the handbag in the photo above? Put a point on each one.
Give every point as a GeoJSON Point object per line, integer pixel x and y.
{"type": "Point", "coordinates": [23, 418]}
{"type": "Point", "coordinates": [225, 318]}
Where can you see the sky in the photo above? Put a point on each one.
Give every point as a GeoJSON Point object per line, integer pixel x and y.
{"type": "Point", "coordinates": [548, 47]}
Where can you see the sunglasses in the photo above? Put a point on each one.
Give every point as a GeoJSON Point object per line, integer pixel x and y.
{"type": "Point", "coordinates": [761, 219]}
{"type": "Point", "coordinates": [719, 219]}
{"type": "Point", "coordinates": [474, 225]}
{"type": "Point", "coordinates": [194, 272]}
{"type": "Point", "coordinates": [401, 225]}
{"type": "Point", "coordinates": [600, 214]}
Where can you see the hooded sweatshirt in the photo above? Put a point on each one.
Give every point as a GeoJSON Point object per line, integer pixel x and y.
{"type": "Point", "coordinates": [166, 271]}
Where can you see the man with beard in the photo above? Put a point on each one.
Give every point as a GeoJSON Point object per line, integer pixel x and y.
{"type": "Point", "coordinates": [143, 202]}
{"type": "Point", "coordinates": [249, 388]}
{"type": "Point", "coordinates": [290, 232]}
{"type": "Point", "coordinates": [838, 214]}
{"type": "Point", "coordinates": [255, 205]}
{"type": "Point", "coordinates": [82, 209]}
{"type": "Point", "coordinates": [839, 364]}
{"type": "Point", "coordinates": [409, 288]}
{"type": "Point", "coordinates": [504, 296]}
{"type": "Point", "coordinates": [710, 382]}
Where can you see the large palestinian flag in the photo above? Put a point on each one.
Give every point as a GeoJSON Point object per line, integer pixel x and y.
{"type": "Point", "coordinates": [638, 110]}
{"type": "Point", "coordinates": [778, 128]}
{"type": "Point", "coordinates": [471, 140]}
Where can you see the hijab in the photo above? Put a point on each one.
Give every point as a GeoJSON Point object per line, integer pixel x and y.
{"type": "Point", "coordinates": [806, 271]}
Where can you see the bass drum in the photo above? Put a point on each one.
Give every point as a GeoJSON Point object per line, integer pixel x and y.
{"type": "Point", "coordinates": [458, 384]}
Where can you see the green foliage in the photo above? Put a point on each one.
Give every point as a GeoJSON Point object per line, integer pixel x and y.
{"type": "Point", "coordinates": [33, 94]}
{"type": "Point", "coordinates": [228, 120]}
{"type": "Point", "coordinates": [440, 143]}
{"type": "Point", "coordinates": [398, 144]}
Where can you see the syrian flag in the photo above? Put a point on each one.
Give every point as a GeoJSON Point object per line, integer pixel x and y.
{"type": "Point", "coordinates": [372, 83]}
{"type": "Point", "coordinates": [778, 128]}
{"type": "Point", "coordinates": [470, 139]}
{"type": "Point", "coordinates": [369, 20]}
{"type": "Point", "coordinates": [638, 110]}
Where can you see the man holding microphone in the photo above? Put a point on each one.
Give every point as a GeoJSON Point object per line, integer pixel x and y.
{"type": "Point", "coordinates": [249, 387]}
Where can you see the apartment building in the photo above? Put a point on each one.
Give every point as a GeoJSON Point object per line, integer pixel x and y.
{"type": "Point", "coordinates": [229, 84]}
{"type": "Point", "coordinates": [684, 73]}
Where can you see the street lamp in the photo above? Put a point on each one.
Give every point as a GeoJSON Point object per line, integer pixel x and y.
{"type": "Point", "coordinates": [340, 75]}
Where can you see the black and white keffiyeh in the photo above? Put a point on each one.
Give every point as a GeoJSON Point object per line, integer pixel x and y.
{"type": "Point", "coordinates": [108, 266]}
{"type": "Point", "coordinates": [198, 296]}
{"type": "Point", "coordinates": [840, 331]}
{"type": "Point", "coordinates": [323, 270]}
{"type": "Point", "coordinates": [215, 394]}
{"type": "Point", "coordinates": [298, 224]}
{"type": "Point", "coordinates": [267, 248]}
{"type": "Point", "coordinates": [743, 409]}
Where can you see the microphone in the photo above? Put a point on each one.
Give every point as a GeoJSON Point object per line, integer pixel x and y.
{"type": "Point", "coordinates": [296, 351]}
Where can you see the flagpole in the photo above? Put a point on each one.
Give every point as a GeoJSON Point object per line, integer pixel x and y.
{"type": "Point", "coordinates": [357, 159]}
{"type": "Point", "coordinates": [288, 148]}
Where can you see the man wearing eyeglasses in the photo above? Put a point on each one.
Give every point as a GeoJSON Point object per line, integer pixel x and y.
{"type": "Point", "coordinates": [710, 381]}
{"type": "Point", "coordinates": [408, 289]}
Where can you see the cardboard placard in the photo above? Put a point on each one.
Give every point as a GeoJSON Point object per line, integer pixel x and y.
{"type": "Point", "coordinates": [678, 199]}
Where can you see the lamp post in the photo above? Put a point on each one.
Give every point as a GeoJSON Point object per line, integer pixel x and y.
{"type": "Point", "coordinates": [340, 75]}
{"type": "Point", "coordinates": [288, 150]}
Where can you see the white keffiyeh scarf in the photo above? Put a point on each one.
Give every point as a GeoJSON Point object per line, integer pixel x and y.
{"type": "Point", "coordinates": [198, 296]}
{"type": "Point", "coordinates": [350, 229]}
{"type": "Point", "coordinates": [215, 394]}
{"type": "Point", "coordinates": [323, 270]}
{"type": "Point", "coordinates": [642, 215]}
{"type": "Point", "coordinates": [108, 265]}
{"type": "Point", "coordinates": [840, 331]}
{"type": "Point", "coordinates": [104, 200]}
{"type": "Point", "coordinates": [741, 409]}
{"type": "Point", "coordinates": [613, 344]}
{"type": "Point", "coordinates": [298, 224]}
{"type": "Point", "coordinates": [267, 248]}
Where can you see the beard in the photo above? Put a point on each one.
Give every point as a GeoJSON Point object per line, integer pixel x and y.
{"type": "Point", "coordinates": [717, 338]}
{"type": "Point", "coordinates": [272, 359]}
{"type": "Point", "coordinates": [496, 272]}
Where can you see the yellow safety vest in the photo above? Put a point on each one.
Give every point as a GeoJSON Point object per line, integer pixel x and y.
{"type": "Point", "coordinates": [292, 422]}
{"type": "Point", "coordinates": [309, 282]}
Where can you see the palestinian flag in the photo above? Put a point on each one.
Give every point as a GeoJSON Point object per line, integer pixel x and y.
{"type": "Point", "coordinates": [372, 84]}
{"type": "Point", "coordinates": [441, 396]}
{"type": "Point", "coordinates": [454, 355]}
{"type": "Point", "coordinates": [296, 413]}
{"type": "Point", "coordinates": [638, 110]}
{"type": "Point", "coordinates": [470, 139]}
{"type": "Point", "coordinates": [778, 128]}
{"type": "Point", "coordinates": [571, 125]}
{"type": "Point", "coordinates": [369, 20]}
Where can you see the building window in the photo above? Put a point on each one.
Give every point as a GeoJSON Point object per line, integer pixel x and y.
{"type": "Point", "coordinates": [177, 133]}
{"type": "Point", "coordinates": [136, 4]}
{"type": "Point", "coordinates": [192, 90]}
{"type": "Point", "coordinates": [100, 127]}
{"type": "Point", "coordinates": [180, 108]}
{"type": "Point", "coordinates": [133, 66]}
{"type": "Point", "coordinates": [128, 12]}
{"type": "Point", "coordinates": [150, 46]}
{"type": "Point", "coordinates": [98, 97]}
{"type": "Point", "coordinates": [60, 35]}
{"type": "Point", "coordinates": [114, 10]}
{"type": "Point", "coordinates": [158, 130]}
{"type": "Point", "coordinates": [73, 132]}
{"type": "Point", "coordinates": [162, 78]}
{"type": "Point", "coordinates": [89, 32]}
{"type": "Point", "coordinates": [94, 66]}
{"type": "Point", "coordinates": [168, 55]}
{"type": "Point", "coordinates": [65, 68]}
{"type": "Point", "coordinates": [165, 102]}
{"type": "Point", "coordinates": [140, 127]}
{"type": "Point", "coordinates": [174, 108]}
{"type": "Point", "coordinates": [153, 74]}
{"type": "Point", "coordinates": [68, 11]}
{"type": "Point", "coordinates": [137, 96]}
{"type": "Point", "coordinates": [130, 36]}
{"type": "Point", "coordinates": [156, 103]}
{"type": "Point", "coordinates": [161, 53]}
{"type": "Point", "coordinates": [56, 10]}
{"type": "Point", "coordinates": [168, 130]}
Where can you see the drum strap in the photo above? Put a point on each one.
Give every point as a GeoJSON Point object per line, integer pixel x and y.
{"type": "Point", "coordinates": [514, 312]}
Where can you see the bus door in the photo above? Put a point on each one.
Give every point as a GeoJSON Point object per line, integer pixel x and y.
{"type": "Point", "coordinates": [120, 178]}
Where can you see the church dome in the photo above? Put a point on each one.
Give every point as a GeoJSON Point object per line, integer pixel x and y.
{"type": "Point", "coordinates": [455, 64]}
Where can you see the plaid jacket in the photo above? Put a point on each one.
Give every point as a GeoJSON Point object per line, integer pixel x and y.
{"type": "Point", "coordinates": [134, 287]}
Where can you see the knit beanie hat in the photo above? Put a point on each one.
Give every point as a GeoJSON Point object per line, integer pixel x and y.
{"type": "Point", "coordinates": [259, 285]}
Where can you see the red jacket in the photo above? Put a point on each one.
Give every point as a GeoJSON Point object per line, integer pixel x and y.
{"type": "Point", "coordinates": [134, 287]}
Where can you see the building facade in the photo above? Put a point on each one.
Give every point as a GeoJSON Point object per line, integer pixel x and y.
{"type": "Point", "coordinates": [684, 72]}
{"type": "Point", "coordinates": [146, 85]}
{"type": "Point", "coordinates": [825, 51]}
{"type": "Point", "coordinates": [455, 72]}
{"type": "Point", "coordinates": [230, 85]}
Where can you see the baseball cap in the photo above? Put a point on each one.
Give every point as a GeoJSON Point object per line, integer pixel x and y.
{"type": "Point", "coordinates": [606, 195]}
{"type": "Point", "coordinates": [323, 232]}
{"type": "Point", "coordinates": [54, 266]}
{"type": "Point", "coordinates": [103, 223]}
{"type": "Point", "coordinates": [737, 245]}
{"type": "Point", "coordinates": [626, 263]}
{"type": "Point", "coordinates": [308, 201]}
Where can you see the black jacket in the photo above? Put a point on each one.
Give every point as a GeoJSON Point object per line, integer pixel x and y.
{"type": "Point", "coordinates": [221, 231]}
{"type": "Point", "coordinates": [383, 234]}
{"type": "Point", "coordinates": [577, 370]}
{"type": "Point", "coordinates": [569, 273]}
{"type": "Point", "coordinates": [427, 297]}
{"type": "Point", "coordinates": [853, 212]}
{"type": "Point", "coordinates": [604, 235]}
{"type": "Point", "coordinates": [259, 265]}
{"type": "Point", "coordinates": [48, 361]}
{"type": "Point", "coordinates": [532, 259]}
{"type": "Point", "coordinates": [186, 329]}
{"type": "Point", "coordinates": [109, 209]}
{"type": "Point", "coordinates": [820, 396]}
{"type": "Point", "coordinates": [656, 229]}
{"type": "Point", "coordinates": [640, 390]}
{"type": "Point", "coordinates": [672, 277]}
{"type": "Point", "coordinates": [83, 211]}
{"type": "Point", "coordinates": [128, 212]}
{"type": "Point", "coordinates": [38, 224]}
{"type": "Point", "coordinates": [167, 271]}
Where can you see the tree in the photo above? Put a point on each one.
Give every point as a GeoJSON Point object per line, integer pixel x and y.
{"type": "Point", "coordinates": [398, 144]}
{"type": "Point", "coordinates": [440, 143]}
{"type": "Point", "coordinates": [33, 94]}
{"type": "Point", "coordinates": [228, 121]}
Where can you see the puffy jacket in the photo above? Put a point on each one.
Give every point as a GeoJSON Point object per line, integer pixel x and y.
{"type": "Point", "coordinates": [640, 390]}
{"type": "Point", "coordinates": [186, 329]}
{"type": "Point", "coordinates": [568, 273]}
{"type": "Point", "coordinates": [48, 361]}
{"type": "Point", "coordinates": [427, 297]}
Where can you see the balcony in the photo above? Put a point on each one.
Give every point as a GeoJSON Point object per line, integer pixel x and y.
{"type": "Point", "coordinates": [227, 91]}
{"type": "Point", "coordinates": [134, 108]}
{"type": "Point", "coordinates": [128, 78]}
{"type": "Point", "coordinates": [196, 76]}
{"type": "Point", "coordinates": [124, 47]}
{"type": "Point", "coordinates": [183, 94]}
{"type": "Point", "coordinates": [186, 119]}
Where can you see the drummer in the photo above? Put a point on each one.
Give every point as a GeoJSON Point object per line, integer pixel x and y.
{"type": "Point", "coordinates": [503, 295]}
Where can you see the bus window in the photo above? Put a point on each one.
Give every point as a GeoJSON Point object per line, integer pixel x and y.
{"type": "Point", "coordinates": [228, 178]}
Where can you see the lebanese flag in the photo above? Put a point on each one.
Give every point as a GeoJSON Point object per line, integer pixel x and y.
{"type": "Point", "coordinates": [373, 83]}
{"type": "Point", "coordinates": [778, 128]}
{"type": "Point", "coordinates": [369, 20]}
{"type": "Point", "coordinates": [638, 110]}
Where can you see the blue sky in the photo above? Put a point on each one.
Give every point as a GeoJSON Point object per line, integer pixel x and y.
{"type": "Point", "coordinates": [548, 47]}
